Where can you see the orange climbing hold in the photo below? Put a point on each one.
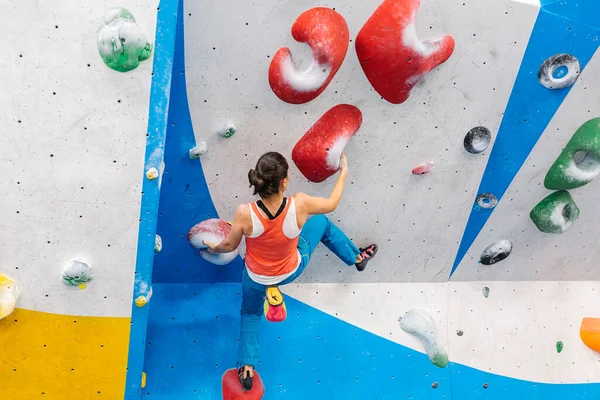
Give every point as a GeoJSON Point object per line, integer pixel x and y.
{"type": "Point", "coordinates": [232, 388]}
{"type": "Point", "coordinates": [590, 333]}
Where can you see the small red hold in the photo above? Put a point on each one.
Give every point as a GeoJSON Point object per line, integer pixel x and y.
{"type": "Point", "coordinates": [317, 154]}
{"type": "Point", "coordinates": [232, 388]}
{"type": "Point", "coordinates": [326, 32]}
{"type": "Point", "coordinates": [390, 53]}
{"type": "Point", "coordinates": [423, 168]}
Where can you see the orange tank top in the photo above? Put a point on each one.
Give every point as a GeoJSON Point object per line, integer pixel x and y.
{"type": "Point", "coordinates": [271, 250]}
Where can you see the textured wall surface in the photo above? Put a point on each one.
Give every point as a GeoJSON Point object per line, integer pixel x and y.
{"type": "Point", "coordinates": [417, 220]}
{"type": "Point", "coordinates": [342, 339]}
{"type": "Point", "coordinates": [71, 155]}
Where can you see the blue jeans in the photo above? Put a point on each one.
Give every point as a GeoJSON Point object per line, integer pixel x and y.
{"type": "Point", "coordinates": [317, 229]}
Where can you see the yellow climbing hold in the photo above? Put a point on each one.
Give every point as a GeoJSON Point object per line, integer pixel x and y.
{"type": "Point", "coordinates": [82, 286]}
{"type": "Point", "coordinates": [143, 380]}
{"type": "Point", "coordinates": [9, 294]}
{"type": "Point", "coordinates": [141, 301]}
{"type": "Point", "coordinates": [152, 174]}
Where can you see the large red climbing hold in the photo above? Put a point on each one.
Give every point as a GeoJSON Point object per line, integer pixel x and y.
{"type": "Point", "coordinates": [326, 32]}
{"type": "Point", "coordinates": [317, 154]}
{"type": "Point", "coordinates": [390, 53]}
{"type": "Point", "coordinates": [232, 388]}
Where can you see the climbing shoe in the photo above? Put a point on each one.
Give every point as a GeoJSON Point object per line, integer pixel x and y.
{"type": "Point", "coordinates": [246, 381]}
{"type": "Point", "coordinates": [367, 254]}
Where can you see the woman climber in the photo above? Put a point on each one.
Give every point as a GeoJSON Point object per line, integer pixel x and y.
{"type": "Point", "coordinates": [280, 239]}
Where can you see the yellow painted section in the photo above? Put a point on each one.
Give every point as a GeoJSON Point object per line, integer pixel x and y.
{"type": "Point", "coordinates": [62, 357]}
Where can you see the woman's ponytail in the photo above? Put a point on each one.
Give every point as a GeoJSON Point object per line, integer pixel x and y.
{"type": "Point", "coordinates": [256, 181]}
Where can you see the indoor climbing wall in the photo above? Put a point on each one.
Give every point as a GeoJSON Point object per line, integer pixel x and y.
{"type": "Point", "coordinates": [393, 138]}
{"type": "Point", "coordinates": [72, 156]}
{"type": "Point", "coordinates": [452, 121]}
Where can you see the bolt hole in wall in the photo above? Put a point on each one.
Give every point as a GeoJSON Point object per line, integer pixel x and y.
{"type": "Point", "coordinates": [586, 161]}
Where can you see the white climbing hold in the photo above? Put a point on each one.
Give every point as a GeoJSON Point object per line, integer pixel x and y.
{"type": "Point", "coordinates": [496, 252]}
{"type": "Point", "coordinates": [227, 131]}
{"type": "Point", "coordinates": [197, 151]}
{"type": "Point", "coordinates": [152, 174]}
{"type": "Point", "coordinates": [161, 173]}
{"type": "Point", "coordinates": [141, 301]}
{"type": "Point", "coordinates": [77, 273]}
{"type": "Point", "coordinates": [9, 294]}
{"type": "Point", "coordinates": [420, 324]}
{"type": "Point", "coordinates": [551, 80]}
{"type": "Point", "coordinates": [157, 244]}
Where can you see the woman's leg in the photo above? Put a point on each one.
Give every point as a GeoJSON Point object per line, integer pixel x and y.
{"type": "Point", "coordinates": [320, 229]}
{"type": "Point", "coordinates": [251, 315]}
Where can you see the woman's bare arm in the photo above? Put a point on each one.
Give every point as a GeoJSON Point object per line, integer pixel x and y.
{"type": "Point", "coordinates": [232, 241]}
{"type": "Point", "coordinates": [310, 205]}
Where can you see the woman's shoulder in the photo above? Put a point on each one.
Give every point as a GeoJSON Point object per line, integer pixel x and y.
{"type": "Point", "coordinates": [300, 199]}
{"type": "Point", "coordinates": [243, 209]}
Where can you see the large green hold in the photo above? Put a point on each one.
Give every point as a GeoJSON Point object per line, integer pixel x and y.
{"type": "Point", "coordinates": [579, 162]}
{"type": "Point", "coordinates": [121, 42]}
{"type": "Point", "coordinates": [556, 213]}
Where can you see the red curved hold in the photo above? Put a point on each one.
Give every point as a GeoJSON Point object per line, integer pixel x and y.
{"type": "Point", "coordinates": [232, 388]}
{"type": "Point", "coordinates": [326, 32]}
{"type": "Point", "coordinates": [317, 153]}
{"type": "Point", "coordinates": [390, 53]}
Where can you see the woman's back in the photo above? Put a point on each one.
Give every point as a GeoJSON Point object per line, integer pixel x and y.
{"type": "Point", "coordinates": [271, 248]}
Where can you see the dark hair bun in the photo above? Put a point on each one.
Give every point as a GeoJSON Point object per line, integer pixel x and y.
{"type": "Point", "coordinates": [266, 177]}
{"type": "Point", "coordinates": [255, 180]}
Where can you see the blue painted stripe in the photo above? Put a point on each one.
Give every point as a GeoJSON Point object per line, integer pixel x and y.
{"type": "Point", "coordinates": [155, 142]}
{"type": "Point", "coordinates": [184, 199]}
{"type": "Point", "coordinates": [192, 334]}
{"type": "Point", "coordinates": [585, 12]}
{"type": "Point", "coordinates": [529, 110]}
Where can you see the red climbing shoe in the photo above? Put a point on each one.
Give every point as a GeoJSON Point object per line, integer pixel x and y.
{"type": "Point", "coordinates": [275, 310]}
{"type": "Point", "coordinates": [367, 254]}
{"type": "Point", "coordinates": [232, 388]}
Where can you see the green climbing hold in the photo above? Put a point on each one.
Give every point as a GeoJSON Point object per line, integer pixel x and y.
{"type": "Point", "coordinates": [579, 162]}
{"type": "Point", "coordinates": [556, 213]}
{"type": "Point", "coordinates": [486, 292]}
{"type": "Point", "coordinates": [115, 13]}
{"type": "Point", "coordinates": [121, 42]}
{"type": "Point", "coordinates": [227, 131]}
{"type": "Point", "coordinates": [559, 346]}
